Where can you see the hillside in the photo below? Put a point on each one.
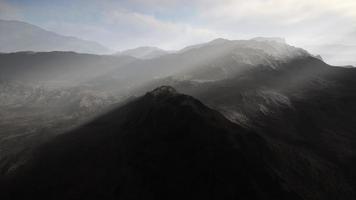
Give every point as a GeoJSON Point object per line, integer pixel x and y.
{"type": "Point", "coordinates": [162, 145]}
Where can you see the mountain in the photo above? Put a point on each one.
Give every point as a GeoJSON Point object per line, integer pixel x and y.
{"type": "Point", "coordinates": [256, 43]}
{"type": "Point", "coordinates": [144, 52]}
{"type": "Point", "coordinates": [286, 111]}
{"type": "Point", "coordinates": [57, 68]}
{"type": "Point", "coordinates": [163, 145]}
{"type": "Point", "coordinates": [213, 42]}
{"type": "Point", "coordinates": [304, 104]}
{"type": "Point", "coordinates": [49, 89]}
{"type": "Point", "coordinates": [43, 94]}
{"type": "Point", "coordinates": [20, 36]}
{"type": "Point", "coordinates": [270, 39]}
{"type": "Point", "coordinates": [218, 59]}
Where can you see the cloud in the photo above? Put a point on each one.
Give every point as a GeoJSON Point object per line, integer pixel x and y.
{"type": "Point", "coordinates": [148, 30]}
{"type": "Point", "coordinates": [303, 21]}
{"type": "Point", "coordinates": [175, 23]}
{"type": "Point", "coordinates": [300, 21]}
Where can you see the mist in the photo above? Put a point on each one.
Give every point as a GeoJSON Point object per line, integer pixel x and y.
{"type": "Point", "coordinates": [158, 99]}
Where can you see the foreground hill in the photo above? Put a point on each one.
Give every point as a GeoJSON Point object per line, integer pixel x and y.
{"type": "Point", "coordinates": [162, 145]}
{"type": "Point", "coordinates": [304, 104]}
{"type": "Point", "coordinates": [21, 36]}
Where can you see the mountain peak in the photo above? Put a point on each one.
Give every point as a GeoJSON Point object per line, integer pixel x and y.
{"type": "Point", "coordinates": [144, 52]}
{"type": "Point", "coordinates": [163, 91]}
{"type": "Point", "coordinates": [145, 48]}
{"type": "Point", "coordinates": [270, 39]}
{"type": "Point", "coordinates": [219, 41]}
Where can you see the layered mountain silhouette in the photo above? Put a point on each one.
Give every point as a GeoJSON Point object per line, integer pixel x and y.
{"type": "Point", "coordinates": [286, 128]}
{"type": "Point", "coordinates": [57, 68]}
{"type": "Point", "coordinates": [164, 145]}
{"type": "Point", "coordinates": [21, 36]}
{"type": "Point", "coordinates": [216, 60]}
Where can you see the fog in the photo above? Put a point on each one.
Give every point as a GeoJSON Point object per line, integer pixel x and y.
{"type": "Point", "coordinates": [172, 25]}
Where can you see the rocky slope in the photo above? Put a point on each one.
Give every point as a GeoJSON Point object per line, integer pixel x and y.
{"type": "Point", "coordinates": [162, 145]}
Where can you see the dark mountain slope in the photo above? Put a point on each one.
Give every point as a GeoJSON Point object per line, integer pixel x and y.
{"type": "Point", "coordinates": [46, 93]}
{"type": "Point", "coordinates": [304, 104]}
{"type": "Point", "coordinates": [262, 93]}
{"type": "Point", "coordinates": [162, 146]}
{"type": "Point", "coordinates": [305, 101]}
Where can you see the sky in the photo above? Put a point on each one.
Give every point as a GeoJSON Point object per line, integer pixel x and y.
{"type": "Point", "coordinates": [174, 24]}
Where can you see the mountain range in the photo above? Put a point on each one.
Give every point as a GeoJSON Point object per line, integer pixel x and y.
{"type": "Point", "coordinates": [162, 145]}
{"type": "Point", "coordinates": [258, 119]}
{"type": "Point", "coordinates": [18, 36]}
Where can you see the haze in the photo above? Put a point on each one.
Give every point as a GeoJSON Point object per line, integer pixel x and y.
{"type": "Point", "coordinates": [320, 26]}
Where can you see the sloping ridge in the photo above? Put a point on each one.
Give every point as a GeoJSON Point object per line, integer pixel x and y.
{"type": "Point", "coordinates": [164, 145]}
{"type": "Point", "coordinates": [145, 52]}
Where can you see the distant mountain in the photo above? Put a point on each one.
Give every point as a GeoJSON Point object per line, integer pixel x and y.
{"type": "Point", "coordinates": [270, 39]}
{"type": "Point", "coordinates": [144, 52]}
{"type": "Point", "coordinates": [213, 42]}
{"type": "Point", "coordinates": [53, 69]}
{"type": "Point", "coordinates": [219, 55]}
{"type": "Point", "coordinates": [164, 145]}
{"type": "Point", "coordinates": [215, 60]}
{"type": "Point", "coordinates": [220, 59]}
{"type": "Point", "coordinates": [20, 36]}
{"type": "Point", "coordinates": [222, 41]}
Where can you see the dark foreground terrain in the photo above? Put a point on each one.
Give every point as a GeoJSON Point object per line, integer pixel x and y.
{"type": "Point", "coordinates": [163, 145]}
{"type": "Point", "coordinates": [167, 145]}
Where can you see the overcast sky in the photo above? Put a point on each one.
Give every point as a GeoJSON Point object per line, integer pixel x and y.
{"type": "Point", "coordinates": [173, 24]}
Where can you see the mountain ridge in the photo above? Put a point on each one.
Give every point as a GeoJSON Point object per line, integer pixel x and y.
{"type": "Point", "coordinates": [161, 142]}
{"type": "Point", "coordinates": [144, 52]}
{"type": "Point", "coordinates": [291, 112]}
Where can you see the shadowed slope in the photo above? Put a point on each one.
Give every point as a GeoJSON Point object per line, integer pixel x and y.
{"type": "Point", "coordinates": [306, 106]}
{"type": "Point", "coordinates": [163, 145]}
